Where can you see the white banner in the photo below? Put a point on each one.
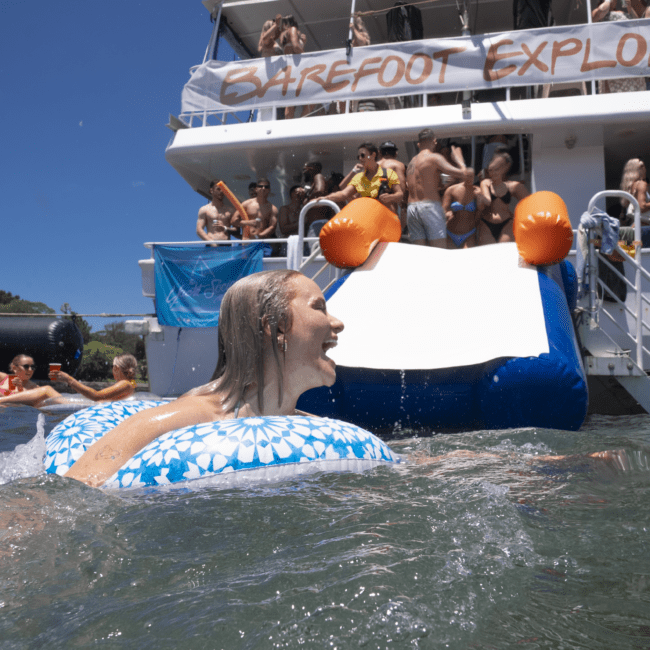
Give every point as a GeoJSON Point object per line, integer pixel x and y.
{"type": "Point", "coordinates": [519, 58]}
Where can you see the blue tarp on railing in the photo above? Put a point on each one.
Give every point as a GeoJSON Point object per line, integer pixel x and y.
{"type": "Point", "coordinates": [190, 282]}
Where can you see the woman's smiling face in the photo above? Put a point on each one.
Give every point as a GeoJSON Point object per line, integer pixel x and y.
{"type": "Point", "coordinates": [24, 368]}
{"type": "Point", "coordinates": [313, 332]}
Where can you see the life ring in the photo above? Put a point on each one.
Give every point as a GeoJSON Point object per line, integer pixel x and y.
{"type": "Point", "coordinates": [262, 445]}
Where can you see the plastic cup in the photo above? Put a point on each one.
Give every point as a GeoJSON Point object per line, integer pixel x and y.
{"type": "Point", "coordinates": [55, 367]}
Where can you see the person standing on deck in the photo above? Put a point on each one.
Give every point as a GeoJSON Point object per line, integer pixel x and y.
{"type": "Point", "coordinates": [215, 221]}
{"type": "Point", "coordinates": [374, 181]}
{"type": "Point", "coordinates": [425, 217]}
{"type": "Point", "coordinates": [263, 215]}
{"type": "Point", "coordinates": [388, 152]}
{"type": "Point", "coordinates": [315, 187]}
{"type": "Point", "coordinates": [271, 31]}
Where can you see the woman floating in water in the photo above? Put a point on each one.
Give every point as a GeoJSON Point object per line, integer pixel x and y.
{"type": "Point", "coordinates": [30, 394]}
{"type": "Point", "coordinates": [274, 334]}
{"type": "Point", "coordinates": [19, 381]}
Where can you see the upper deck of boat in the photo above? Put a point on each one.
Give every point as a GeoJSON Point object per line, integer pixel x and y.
{"type": "Point", "coordinates": [241, 142]}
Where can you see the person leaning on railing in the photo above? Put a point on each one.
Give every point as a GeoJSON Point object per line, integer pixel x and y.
{"type": "Point", "coordinates": [374, 181]}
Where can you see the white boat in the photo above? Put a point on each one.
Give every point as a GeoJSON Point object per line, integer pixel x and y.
{"type": "Point", "coordinates": [471, 76]}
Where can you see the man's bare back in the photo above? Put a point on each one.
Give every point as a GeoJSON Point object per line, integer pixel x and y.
{"type": "Point", "coordinates": [423, 173]}
{"type": "Point", "coordinates": [423, 177]}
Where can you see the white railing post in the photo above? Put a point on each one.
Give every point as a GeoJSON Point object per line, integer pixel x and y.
{"type": "Point", "coordinates": [637, 264]}
{"type": "Point", "coordinates": [301, 219]}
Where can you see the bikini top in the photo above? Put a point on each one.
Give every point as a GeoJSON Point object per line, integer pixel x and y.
{"type": "Point", "coordinates": [5, 391]}
{"type": "Point", "coordinates": [506, 198]}
{"type": "Point", "coordinates": [456, 206]}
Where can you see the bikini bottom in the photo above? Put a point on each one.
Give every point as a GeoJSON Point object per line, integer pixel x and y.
{"type": "Point", "coordinates": [496, 228]}
{"type": "Point", "coordinates": [459, 240]}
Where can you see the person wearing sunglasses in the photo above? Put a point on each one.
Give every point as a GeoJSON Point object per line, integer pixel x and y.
{"type": "Point", "coordinates": [374, 181]}
{"type": "Point", "coordinates": [27, 393]}
{"type": "Point", "coordinates": [21, 368]}
{"type": "Point", "coordinates": [262, 215]}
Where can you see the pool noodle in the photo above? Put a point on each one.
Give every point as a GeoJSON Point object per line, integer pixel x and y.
{"type": "Point", "coordinates": [234, 200]}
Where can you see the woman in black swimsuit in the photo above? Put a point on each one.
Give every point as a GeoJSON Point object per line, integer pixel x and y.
{"type": "Point", "coordinates": [495, 226]}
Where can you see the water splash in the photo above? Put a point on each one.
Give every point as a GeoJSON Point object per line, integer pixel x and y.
{"type": "Point", "coordinates": [26, 459]}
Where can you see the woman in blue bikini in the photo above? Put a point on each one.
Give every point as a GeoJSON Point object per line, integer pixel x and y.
{"type": "Point", "coordinates": [463, 204]}
{"type": "Point", "coordinates": [495, 227]}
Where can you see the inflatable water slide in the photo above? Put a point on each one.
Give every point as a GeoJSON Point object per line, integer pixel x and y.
{"type": "Point", "coordinates": [470, 339]}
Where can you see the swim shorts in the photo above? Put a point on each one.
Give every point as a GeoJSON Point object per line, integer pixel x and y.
{"type": "Point", "coordinates": [426, 220]}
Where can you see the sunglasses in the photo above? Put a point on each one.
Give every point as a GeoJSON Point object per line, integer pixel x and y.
{"type": "Point", "coordinates": [27, 366]}
{"type": "Point", "coordinates": [361, 156]}
{"type": "Point", "coordinates": [264, 187]}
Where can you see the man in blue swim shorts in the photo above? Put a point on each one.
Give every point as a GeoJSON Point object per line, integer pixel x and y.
{"type": "Point", "coordinates": [425, 218]}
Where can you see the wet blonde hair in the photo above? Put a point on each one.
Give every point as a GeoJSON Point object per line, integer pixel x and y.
{"type": "Point", "coordinates": [127, 363]}
{"type": "Point", "coordinates": [631, 174]}
{"type": "Point", "coordinates": [252, 306]}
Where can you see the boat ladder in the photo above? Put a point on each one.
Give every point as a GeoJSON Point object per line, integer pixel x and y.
{"type": "Point", "coordinates": [612, 316]}
{"type": "Point", "coordinates": [300, 264]}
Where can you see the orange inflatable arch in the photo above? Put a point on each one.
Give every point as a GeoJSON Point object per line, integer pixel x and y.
{"type": "Point", "coordinates": [348, 238]}
{"type": "Point", "coordinates": [542, 228]}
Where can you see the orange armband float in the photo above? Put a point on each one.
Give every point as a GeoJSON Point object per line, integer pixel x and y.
{"type": "Point", "coordinates": [233, 199]}
{"type": "Point", "coordinates": [348, 238]}
{"type": "Point", "coordinates": [542, 229]}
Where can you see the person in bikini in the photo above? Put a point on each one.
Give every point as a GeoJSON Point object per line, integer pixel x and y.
{"type": "Point", "coordinates": [425, 217]}
{"type": "Point", "coordinates": [495, 227]}
{"type": "Point", "coordinates": [215, 221]}
{"type": "Point", "coordinates": [30, 394]}
{"type": "Point", "coordinates": [274, 335]}
{"type": "Point", "coordinates": [463, 204]}
{"type": "Point", "coordinates": [21, 370]}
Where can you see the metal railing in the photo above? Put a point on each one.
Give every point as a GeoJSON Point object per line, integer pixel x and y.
{"type": "Point", "coordinates": [596, 306]}
{"type": "Point", "coordinates": [297, 262]}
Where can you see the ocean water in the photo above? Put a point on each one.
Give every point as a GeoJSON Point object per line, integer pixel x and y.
{"type": "Point", "coordinates": [475, 542]}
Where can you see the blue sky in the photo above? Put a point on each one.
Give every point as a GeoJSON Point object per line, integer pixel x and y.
{"type": "Point", "coordinates": [87, 87]}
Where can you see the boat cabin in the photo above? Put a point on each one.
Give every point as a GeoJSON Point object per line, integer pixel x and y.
{"type": "Point", "coordinates": [471, 76]}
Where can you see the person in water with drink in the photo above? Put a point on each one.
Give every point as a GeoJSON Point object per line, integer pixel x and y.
{"type": "Point", "coordinates": [274, 335]}
{"type": "Point", "coordinates": [21, 369]}
{"type": "Point", "coordinates": [26, 392]}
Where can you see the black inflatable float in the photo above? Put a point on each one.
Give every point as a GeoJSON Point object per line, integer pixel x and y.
{"type": "Point", "coordinates": [46, 340]}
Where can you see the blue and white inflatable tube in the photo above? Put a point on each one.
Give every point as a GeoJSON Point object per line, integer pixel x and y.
{"type": "Point", "coordinates": [259, 447]}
